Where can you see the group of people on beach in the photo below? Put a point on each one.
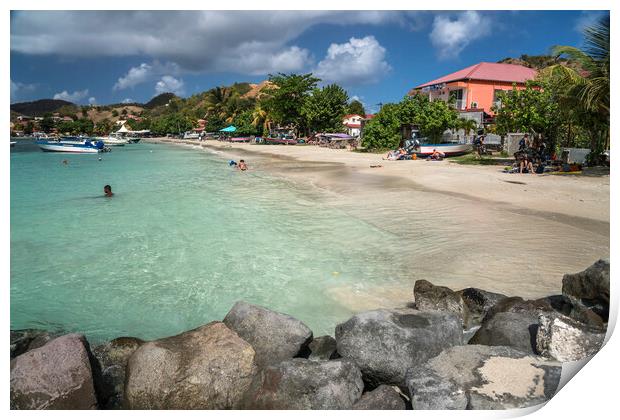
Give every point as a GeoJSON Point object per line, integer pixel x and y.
{"type": "Point", "coordinates": [531, 151]}
{"type": "Point", "coordinates": [401, 154]}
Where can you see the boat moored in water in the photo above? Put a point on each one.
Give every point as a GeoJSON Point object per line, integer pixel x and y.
{"type": "Point", "coordinates": [72, 145]}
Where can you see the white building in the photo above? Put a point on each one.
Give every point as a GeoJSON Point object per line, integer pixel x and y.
{"type": "Point", "coordinates": [353, 123]}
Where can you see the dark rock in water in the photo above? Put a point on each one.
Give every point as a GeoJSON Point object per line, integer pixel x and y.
{"type": "Point", "coordinates": [567, 340]}
{"type": "Point", "coordinates": [25, 340]}
{"type": "Point", "coordinates": [429, 297]}
{"type": "Point", "coordinates": [383, 397]}
{"type": "Point", "coordinates": [591, 286]}
{"type": "Point", "coordinates": [274, 336]}
{"type": "Point", "coordinates": [113, 357]}
{"type": "Point", "coordinates": [516, 330]}
{"type": "Point", "coordinates": [482, 378]}
{"type": "Point", "coordinates": [385, 343]}
{"type": "Point", "coordinates": [323, 348]}
{"type": "Point", "coordinates": [479, 302]}
{"type": "Point", "coordinates": [57, 375]}
{"type": "Point", "coordinates": [300, 384]}
{"type": "Point", "coordinates": [573, 308]}
{"type": "Point", "coordinates": [209, 367]}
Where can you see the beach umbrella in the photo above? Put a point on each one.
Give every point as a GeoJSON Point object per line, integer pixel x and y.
{"type": "Point", "coordinates": [229, 129]}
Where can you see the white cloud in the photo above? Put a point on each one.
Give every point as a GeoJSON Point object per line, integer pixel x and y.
{"type": "Point", "coordinates": [359, 61]}
{"type": "Point", "coordinates": [450, 37]}
{"type": "Point", "coordinates": [127, 101]}
{"type": "Point", "coordinates": [74, 97]}
{"type": "Point", "coordinates": [198, 41]}
{"type": "Point", "coordinates": [92, 100]}
{"type": "Point", "coordinates": [169, 84]}
{"type": "Point", "coordinates": [145, 73]}
{"type": "Point", "coordinates": [18, 88]}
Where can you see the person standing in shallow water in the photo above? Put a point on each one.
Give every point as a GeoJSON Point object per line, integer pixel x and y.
{"type": "Point", "coordinates": [242, 166]}
{"type": "Point", "coordinates": [107, 190]}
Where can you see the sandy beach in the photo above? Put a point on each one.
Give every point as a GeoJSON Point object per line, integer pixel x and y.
{"type": "Point", "coordinates": [468, 226]}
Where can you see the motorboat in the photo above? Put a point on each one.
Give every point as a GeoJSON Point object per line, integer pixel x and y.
{"type": "Point", "coordinates": [112, 140]}
{"type": "Point", "coordinates": [72, 145]}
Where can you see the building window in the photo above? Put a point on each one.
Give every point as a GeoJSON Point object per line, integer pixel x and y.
{"type": "Point", "coordinates": [456, 97]}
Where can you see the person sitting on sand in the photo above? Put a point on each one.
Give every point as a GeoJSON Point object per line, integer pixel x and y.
{"type": "Point", "coordinates": [107, 190]}
{"type": "Point", "coordinates": [242, 166]}
{"type": "Point", "coordinates": [526, 163]}
{"type": "Point", "coordinates": [436, 155]}
{"type": "Point", "coordinates": [395, 154]}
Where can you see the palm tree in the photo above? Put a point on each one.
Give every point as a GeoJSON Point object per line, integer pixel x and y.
{"type": "Point", "coordinates": [587, 90]}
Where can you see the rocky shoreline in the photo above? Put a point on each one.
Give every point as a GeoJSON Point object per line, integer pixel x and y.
{"type": "Point", "coordinates": [466, 349]}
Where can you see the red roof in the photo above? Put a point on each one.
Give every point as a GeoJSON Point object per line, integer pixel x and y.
{"type": "Point", "coordinates": [346, 117]}
{"type": "Point", "coordinates": [369, 116]}
{"type": "Point", "coordinates": [353, 125]}
{"type": "Point", "coordinates": [496, 72]}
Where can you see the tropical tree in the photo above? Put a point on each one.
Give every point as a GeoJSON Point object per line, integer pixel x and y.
{"type": "Point", "coordinates": [588, 89]}
{"type": "Point", "coordinates": [325, 108]}
{"type": "Point", "coordinates": [431, 117]}
{"type": "Point", "coordinates": [261, 119]}
{"type": "Point", "coordinates": [383, 131]}
{"type": "Point", "coordinates": [466, 124]}
{"type": "Point", "coordinates": [287, 95]}
{"type": "Point", "coordinates": [356, 107]}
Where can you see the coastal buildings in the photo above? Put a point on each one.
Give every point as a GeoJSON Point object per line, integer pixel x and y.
{"type": "Point", "coordinates": [475, 89]}
{"type": "Point", "coordinates": [354, 123]}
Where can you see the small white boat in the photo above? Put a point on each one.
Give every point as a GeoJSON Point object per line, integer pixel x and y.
{"type": "Point", "coordinates": [112, 140]}
{"type": "Point", "coordinates": [191, 135]}
{"type": "Point", "coordinates": [13, 143]}
{"type": "Point", "coordinates": [448, 149]}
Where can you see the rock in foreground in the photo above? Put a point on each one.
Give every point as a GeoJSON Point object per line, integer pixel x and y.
{"type": "Point", "coordinates": [482, 378]}
{"type": "Point", "coordinates": [566, 340]}
{"type": "Point", "coordinates": [383, 397]}
{"type": "Point", "coordinates": [323, 348]}
{"type": "Point", "coordinates": [30, 339]}
{"type": "Point", "coordinates": [113, 357]}
{"type": "Point", "coordinates": [516, 330]}
{"type": "Point", "coordinates": [591, 286]}
{"type": "Point", "coordinates": [300, 384]}
{"type": "Point", "coordinates": [479, 302]}
{"type": "Point", "coordinates": [385, 343]}
{"type": "Point", "coordinates": [274, 336]}
{"type": "Point", "coordinates": [429, 297]}
{"type": "Point", "coordinates": [57, 375]}
{"type": "Point", "coordinates": [209, 367]}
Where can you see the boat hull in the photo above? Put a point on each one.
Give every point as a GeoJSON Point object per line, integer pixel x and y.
{"type": "Point", "coordinates": [446, 149]}
{"type": "Point", "coordinates": [68, 148]}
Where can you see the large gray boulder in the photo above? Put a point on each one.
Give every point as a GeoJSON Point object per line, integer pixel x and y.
{"type": "Point", "coordinates": [274, 336]}
{"type": "Point", "coordinates": [518, 305]}
{"type": "Point", "coordinates": [113, 357]}
{"type": "Point", "coordinates": [323, 348]}
{"type": "Point", "coordinates": [516, 330]}
{"type": "Point", "coordinates": [384, 397]}
{"type": "Point", "coordinates": [57, 375]}
{"type": "Point", "coordinates": [301, 384]}
{"type": "Point", "coordinates": [566, 340]}
{"type": "Point", "coordinates": [429, 297]}
{"type": "Point", "coordinates": [482, 378]}
{"type": "Point", "coordinates": [209, 367]}
{"type": "Point", "coordinates": [385, 343]}
{"type": "Point", "coordinates": [479, 302]}
{"type": "Point", "coordinates": [591, 286]}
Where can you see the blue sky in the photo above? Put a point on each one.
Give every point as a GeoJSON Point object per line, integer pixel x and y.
{"type": "Point", "coordinates": [110, 57]}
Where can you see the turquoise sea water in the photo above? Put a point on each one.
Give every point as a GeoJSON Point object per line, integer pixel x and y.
{"type": "Point", "coordinates": [183, 238]}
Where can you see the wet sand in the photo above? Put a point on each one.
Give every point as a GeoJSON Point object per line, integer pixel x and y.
{"type": "Point", "coordinates": [464, 226]}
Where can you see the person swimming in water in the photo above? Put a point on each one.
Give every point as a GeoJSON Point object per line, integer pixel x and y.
{"type": "Point", "coordinates": [242, 166]}
{"type": "Point", "coordinates": [107, 190]}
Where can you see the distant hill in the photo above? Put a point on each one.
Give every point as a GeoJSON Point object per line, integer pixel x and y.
{"type": "Point", "coordinates": [538, 62]}
{"type": "Point", "coordinates": [40, 107]}
{"type": "Point", "coordinates": [159, 100]}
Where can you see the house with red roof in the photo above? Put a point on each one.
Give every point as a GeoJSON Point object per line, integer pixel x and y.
{"type": "Point", "coordinates": [475, 88]}
{"type": "Point", "coordinates": [353, 124]}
